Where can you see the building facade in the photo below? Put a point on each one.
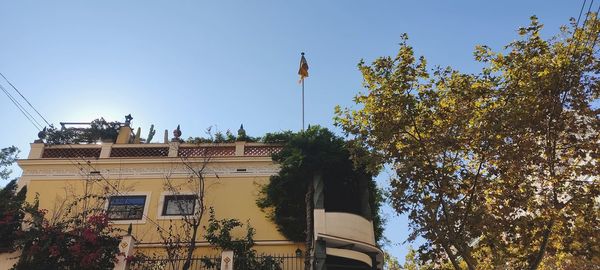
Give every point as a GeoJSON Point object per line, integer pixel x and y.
{"type": "Point", "coordinates": [150, 187]}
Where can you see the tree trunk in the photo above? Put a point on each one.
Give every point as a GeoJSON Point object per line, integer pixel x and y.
{"type": "Point", "coordinates": [191, 247]}
{"type": "Point", "coordinates": [465, 253]}
{"type": "Point", "coordinates": [540, 254]}
{"type": "Point", "coordinates": [451, 256]}
{"type": "Point", "coordinates": [308, 200]}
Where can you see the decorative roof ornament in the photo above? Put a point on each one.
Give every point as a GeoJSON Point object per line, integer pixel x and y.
{"type": "Point", "coordinates": [241, 132]}
{"type": "Point", "coordinates": [128, 119]}
{"type": "Point", "coordinates": [176, 134]}
{"type": "Point", "coordinates": [41, 135]}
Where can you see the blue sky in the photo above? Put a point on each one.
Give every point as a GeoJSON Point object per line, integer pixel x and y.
{"type": "Point", "coordinates": [223, 63]}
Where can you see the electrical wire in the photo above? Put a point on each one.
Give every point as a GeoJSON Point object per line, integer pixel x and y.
{"type": "Point", "coordinates": [38, 126]}
{"type": "Point", "coordinates": [585, 22]}
{"type": "Point", "coordinates": [580, 12]}
{"type": "Point", "coordinates": [26, 100]}
{"type": "Point", "coordinates": [575, 38]}
{"type": "Point", "coordinates": [27, 115]}
{"type": "Point", "coordinates": [595, 36]}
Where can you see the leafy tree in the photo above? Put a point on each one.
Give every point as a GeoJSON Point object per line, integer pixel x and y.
{"type": "Point", "coordinates": [412, 262]}
{"type": "Point", "coordinates": [11, 201]}
{"type": "Point", "coordinates": [497, 169]}
{"type": "Point", "coordinates": [219, 137]}
{"type": "Point", "coordinates": [391, 262]}
{"type": "Point", "coordinates": [277, 137]}
{"type": "Point", "coordinates": [8, 156]}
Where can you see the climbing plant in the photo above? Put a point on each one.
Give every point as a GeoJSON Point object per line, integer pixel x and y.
{"type": "Point", "coordinates": [344, 168]}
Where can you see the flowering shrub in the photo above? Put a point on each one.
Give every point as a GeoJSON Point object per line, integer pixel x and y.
{"type": "Point", "coordinates": [85, 243]}
{"type": "Point", "coordinates": [11, 214]}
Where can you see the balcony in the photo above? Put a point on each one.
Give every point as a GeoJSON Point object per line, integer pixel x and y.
{"type": "Point", "coordinates": [347, 235]}
{"type": "Point", "coordinates": [344, 226]}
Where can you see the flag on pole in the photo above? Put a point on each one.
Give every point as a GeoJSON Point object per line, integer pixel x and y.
{"type": "Point", "coordinates": [303, 71]}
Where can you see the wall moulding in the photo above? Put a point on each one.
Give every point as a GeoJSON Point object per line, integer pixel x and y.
{"type": "Point", "coordinates": [152, 172]}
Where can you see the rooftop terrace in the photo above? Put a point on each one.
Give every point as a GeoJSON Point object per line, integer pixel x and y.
{"type": "Point", "coordinates": [100, 140]}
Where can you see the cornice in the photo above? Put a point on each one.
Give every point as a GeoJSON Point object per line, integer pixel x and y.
{"type": "Point", "coordinates": [42, 169]}
{"type": "Point", "coordinates": [122, 161]}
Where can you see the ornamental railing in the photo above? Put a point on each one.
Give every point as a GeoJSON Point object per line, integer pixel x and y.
{"type": "Point", "coordinates": [271, 262]}
{"type": "Point", "coordinates": [204, 151]}
{"type": "Point", "coordinates": [75, 152]}
{"type": "Point", "coordinates": [164, 263]}
{"type": "Point", "coordinates": [263, 261]}
{"type": "Point", "coordinates": [175, 149]}
{"type": "Point", "coordinates": [261, 150]}
{"type": "Point", "coordinates": [139, 152]}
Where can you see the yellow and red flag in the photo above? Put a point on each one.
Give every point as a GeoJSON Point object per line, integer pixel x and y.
{"type": "Point", "coordinates": [303, 71]}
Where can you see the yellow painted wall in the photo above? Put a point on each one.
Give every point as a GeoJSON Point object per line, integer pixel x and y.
{"type": "Point", "coordinates": [58, 182]}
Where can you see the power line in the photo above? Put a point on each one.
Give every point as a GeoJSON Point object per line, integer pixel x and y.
{"type": "Point", "coordinates": [585, 22]}
{"type": "Point", "coordinates": [78, 165]}
{"type": "Point", "coordinates": [580, 12]}
{"type": "Point", "coordinates": [575, 38]}
{"type": "Point", "coordinates": [24, 98]}
{"type": "Point", "coordinates": [572, 53]}
{"type": "Point", "coordinates": [27, 115]}
{"type": "Point", "coordinates": [595, 36]}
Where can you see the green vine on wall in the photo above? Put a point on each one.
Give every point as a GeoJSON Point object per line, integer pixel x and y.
{"type": "Point", "coordinates": [347, 170]}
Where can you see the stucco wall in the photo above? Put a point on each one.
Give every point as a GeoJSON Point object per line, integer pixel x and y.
{"type": "Point", "coordinates": [231, 192]}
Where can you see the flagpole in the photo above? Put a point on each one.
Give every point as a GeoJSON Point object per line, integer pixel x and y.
{"type": "Point", "coordinates": [302, 104]}
{"type": "Point", "coordinates": [303, 72]}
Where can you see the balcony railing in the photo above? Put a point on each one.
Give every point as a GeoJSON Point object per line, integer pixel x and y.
{"type": "Point", "coordinates": [71, 152]}
{"type": "Point", "coordinates": [207, 151]}
{"type": "Point", "coordinates": [139, 152]}
{"type": "Point", "coordinates": [345, 225]}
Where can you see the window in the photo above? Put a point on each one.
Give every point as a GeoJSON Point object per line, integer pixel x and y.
{"type": "Point", "coordinates": [126, 207]}
{"type": "Point", "coordinates": [179, 205]}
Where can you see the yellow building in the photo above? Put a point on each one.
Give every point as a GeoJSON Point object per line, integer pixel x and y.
{"type": "Point", "coordinates": [152, 186]}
